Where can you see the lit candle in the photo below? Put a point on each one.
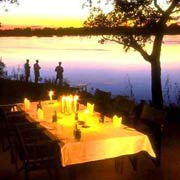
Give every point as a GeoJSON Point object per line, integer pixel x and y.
{"type": "Point", "coordinates": [69, 104]}
{"type": "Point", "coordinates": [86, 115]}
{"type": "Point", "coordinates": [40, 114]}
{"type": "Point", "coordinates": [63, 104]}
{"type": "Point", "coordinates": [51, 93]}
{"type": "Point", "coordinates": [75, 99]}
{"type": "Point", "coordinates": [26, 104]}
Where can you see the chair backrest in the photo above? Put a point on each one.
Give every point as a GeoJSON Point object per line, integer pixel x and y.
{"type": "Point", "coordinates": [124, 105]}
{"type": "Point", "coordinates": [102, 101]}
{"type": "Point", "coordinates": [102, 95]}
{"type": "Point", "coordinates": [154, 119]}
{"type": "Point", "coordinates": [13, 118]}
{"type": "Point", "coordinates": [152, 114]}
{"type": "Point", "coordinates": [34, 145]}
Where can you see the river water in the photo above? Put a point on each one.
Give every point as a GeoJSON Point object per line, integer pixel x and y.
{"type": "Point", "coordinates": [84, 60]}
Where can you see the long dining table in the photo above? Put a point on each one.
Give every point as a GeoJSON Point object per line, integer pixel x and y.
{"type": "Point", "coordinates": [99, 141]}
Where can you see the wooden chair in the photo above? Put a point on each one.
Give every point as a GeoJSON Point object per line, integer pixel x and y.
{"type": "Point", "coordinates": [124, 107]}
{"type": "Point", "coordinates": [38, 152]}
{"type": "Point", "coordinates": [10, 120]}
{"type": "Point", "coordinates": [3, 110]}
{"type": "Point", "coordinates": [152, 123]}
{"type": "Point", "coordinates": [103, 101]}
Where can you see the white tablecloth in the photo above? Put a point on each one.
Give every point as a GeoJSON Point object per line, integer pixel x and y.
{"type": "Point", "coordinates": [98, 141]}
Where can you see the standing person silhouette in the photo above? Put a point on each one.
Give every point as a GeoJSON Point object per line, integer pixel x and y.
{"type": "Point", "coordinates": [36, 71]}
{"type": "Point", "coordinates": [59, 74]}
{"type": "Point", "coordinates": [27, 68]}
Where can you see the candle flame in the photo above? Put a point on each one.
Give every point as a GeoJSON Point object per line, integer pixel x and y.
{"type": "Point", "coordinates": [51, 93]}
{"type": "Point", "coordinates": [69, 103]}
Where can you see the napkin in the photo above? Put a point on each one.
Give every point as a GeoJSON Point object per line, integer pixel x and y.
{"type": "Point", "coordinates": [117, 121]}
{"type": "Point", "coordinates": [40, 114]}
{"type": "Point", "coordinates": [90, 108]}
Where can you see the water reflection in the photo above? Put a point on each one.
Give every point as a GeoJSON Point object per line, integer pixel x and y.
{"type": "Point", "coordinates": [106, 66]}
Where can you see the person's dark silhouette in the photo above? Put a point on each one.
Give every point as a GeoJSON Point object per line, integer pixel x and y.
{"type": "Point", "coordinates": [27, 70]}
{"type": "Point", "coordinates": [59, 74]}
{"type": "Point", "coordinates": [36, 71]}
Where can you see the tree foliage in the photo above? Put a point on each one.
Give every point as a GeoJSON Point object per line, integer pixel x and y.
{"type": "Point", "coordinates": [2, 67]}
{"type": "Point", "coordinates": [9, 1]}
{"type": "Point", "coordinates": [145, 14]}
{"type": "Point", "coordinates": [151, 15]}
{"type": "Point", "coordinates": [5, 3]}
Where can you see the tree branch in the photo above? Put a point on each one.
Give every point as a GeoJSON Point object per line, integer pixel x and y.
{"type": "Point", "coordinates": [112, 39]}
{"type": "Point", "coordinates": [169, 11]}
{"type": "Point", "coordinates": [177, 10]}
{"type": "Point", "coordinates": [139, 48]}
{"type": "Point", "coordinates": [133, 45]}
{"type": "Point", "coordinates": [158, 7]}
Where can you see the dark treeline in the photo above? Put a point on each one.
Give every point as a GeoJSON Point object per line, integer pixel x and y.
{"type": "Point", "coordinates": [84, 31]}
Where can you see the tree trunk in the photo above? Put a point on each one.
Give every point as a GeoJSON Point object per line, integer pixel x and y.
{"type": "Point", "coordinates": [157, 97]}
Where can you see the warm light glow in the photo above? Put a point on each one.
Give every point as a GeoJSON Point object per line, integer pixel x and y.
{"type": "Point", "coordinates": [130, 23]}
{"type": "Point", "coordinates": [86, 111]}
{"type": "Point", "coordinates": [55, 13]}
{"type": "Point", "coordinates": [69, 104]}
{"type": "Point", "coordinates": [117, 121]}
{"type": "Point", "coordinates": [105, 137]}
{"type": "Point", "coordinates": [51, 93]}
{"type": "Point", "coordinates": [27, 104]}
{"type": "Point", "coordinates": [75, 99]}
{"type": "Point", "coordinates": [40, 114]}
{"type": "Point", "coordinates": [14, 109]}
{"type": "Point", "coordinates": [90, 108]}
{"type": "Point", "coordinates": [51, 13]}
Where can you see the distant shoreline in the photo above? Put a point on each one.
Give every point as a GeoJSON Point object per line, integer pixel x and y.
{"type": "Point", "coordinates": [84, 31]}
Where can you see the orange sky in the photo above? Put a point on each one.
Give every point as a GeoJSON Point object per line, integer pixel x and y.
{"type": "Point", "coordinates": [53, 13]}
{"type": "Point", "coordinates": [48, 13]}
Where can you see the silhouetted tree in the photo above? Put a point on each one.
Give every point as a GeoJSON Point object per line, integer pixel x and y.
{"type": "Point", "coordinates": [2, 66]}
{"type": "Point", "coordinates": [150, 15]}
{"type": "Point", "coordinates": [6, 2]}
{"type": "Point", "coordinates": [9, 1]}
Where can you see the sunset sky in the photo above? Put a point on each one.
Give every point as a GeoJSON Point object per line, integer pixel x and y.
{"type": "Point", "coordinates": [54, 13]}
{"type": "Point", "coordinates": [48, 13]}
